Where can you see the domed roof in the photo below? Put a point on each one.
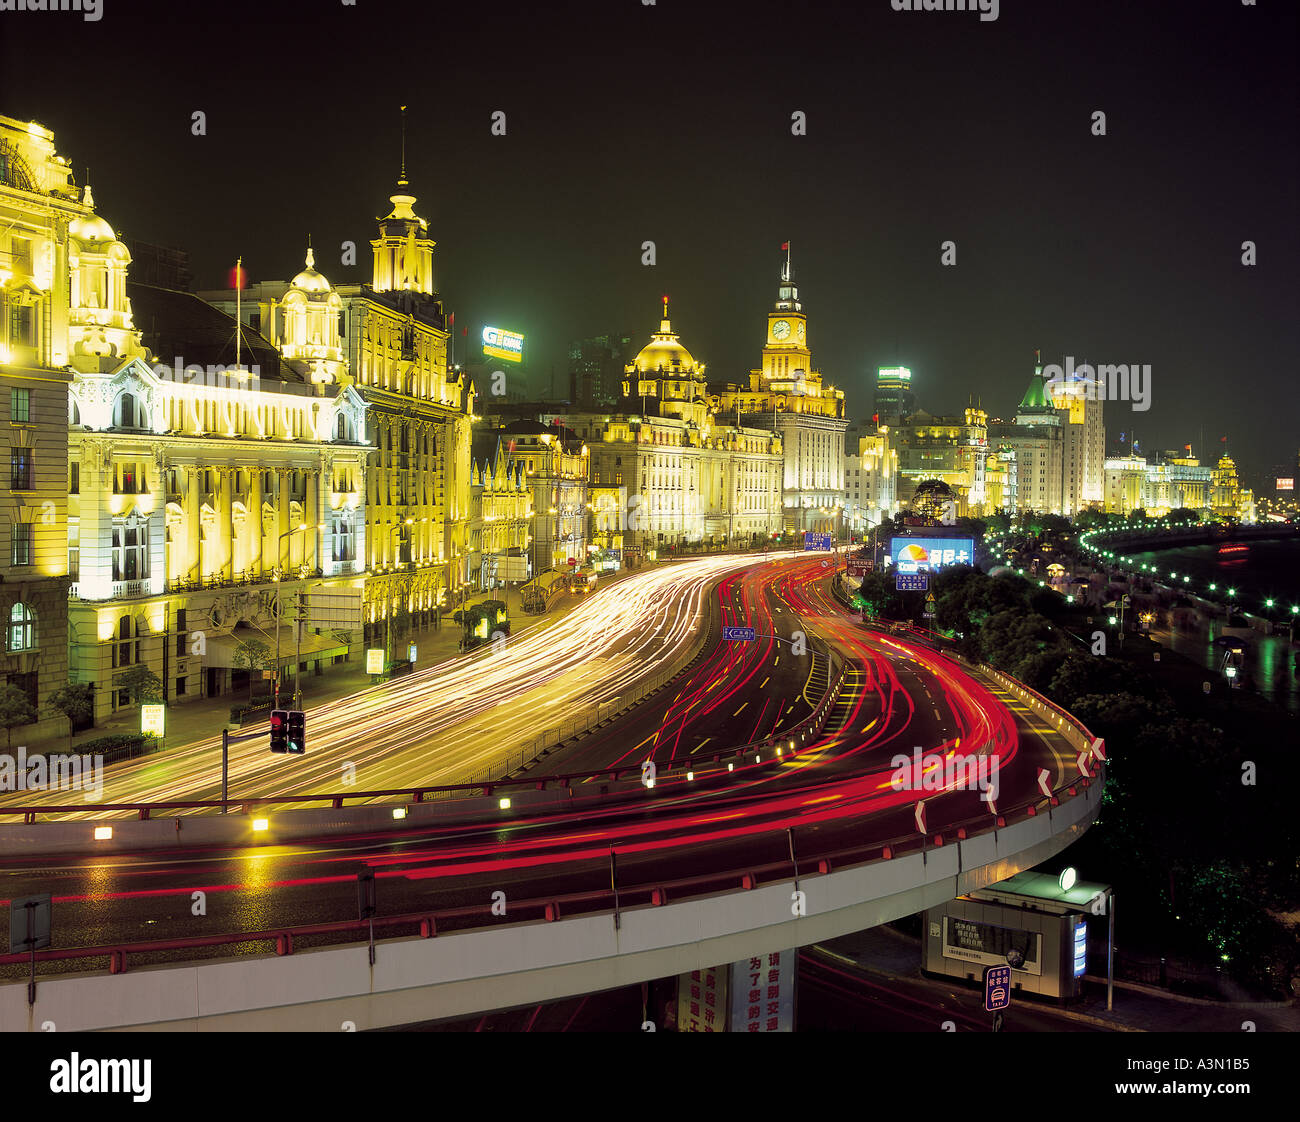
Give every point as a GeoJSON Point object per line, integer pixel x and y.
{"type": "Point", "coordinates": [309, 280]}
{"type": "Point", "coordinates": [664, 350]}
{"type": "Point", "coordinates": [90, 228]}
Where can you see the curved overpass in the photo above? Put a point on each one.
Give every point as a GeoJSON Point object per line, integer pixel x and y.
{"type": "Point", "coordinates": [703, 870]}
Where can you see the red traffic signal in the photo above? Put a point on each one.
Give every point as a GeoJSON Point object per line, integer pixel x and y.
{"type": "Point", "coordinates": [279, 730]}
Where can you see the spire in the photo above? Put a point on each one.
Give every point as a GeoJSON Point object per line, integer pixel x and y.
{"type": "Point", "coordinates": [402, 180]}
{"type": "Point", "coordinates": [665, 327]}
{"type": "Point", "coordinates": [87, 199]}
{"type": "Point", "coordinates": [311, 257]}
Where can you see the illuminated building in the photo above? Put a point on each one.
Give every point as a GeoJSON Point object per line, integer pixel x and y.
{"type": "Point", "coordinates": [787, 395]}
{"type": "Point", "coordinates": [953, 450]}
{"type": "Point", "coordinates": [38, 205]}
{"type": "Point", "coordinates": [501, 506]}
{"type": "Point", "coordinates": [556, 465]}
{"type": "Point", "coordinates": [1228, 498]}
{"type": "Point", "coordinates": [208, 494]}
{"type": "Point", "coordinates": [392, 349]}
{"type": "Point", "coordinates": [689, 476]}
{"type": "Point", "coordinates": [871, 481]}
{"type": "Point", "coordinates": [1058, 441]}
{"type": "Point", "coordinates": [1169, 482]}
{"type": "Point", "coordinates": [1083, 449]}
{"type": "Point", "coordinates": [895, 400]}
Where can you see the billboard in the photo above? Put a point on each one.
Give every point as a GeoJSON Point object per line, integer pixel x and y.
{"type": "Point", "coordinates": [1286, 483]}
{"type": "Point", "coordinates": [503, 344]}
{"type": "Point", "coordinates": [925, 555]}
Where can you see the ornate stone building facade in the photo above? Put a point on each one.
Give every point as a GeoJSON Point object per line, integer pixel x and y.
{"type": "Point", "coordinates": [688, 476]}
{"type": "Point", "coordinates": [787, 396]}
{"type": "Point", "coordinates": [39, 210]}
{"type": "Point", "coordinates": [392, 350]}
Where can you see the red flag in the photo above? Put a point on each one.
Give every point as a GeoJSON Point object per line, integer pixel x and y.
{"type": "Point", "coordinates": [451, 319]}
{"type": "Point", "coordinates": [1223, 440]}
{"type": "Point", "coordinates": [1188, 447]}
{"type": "Point", "coordinates": [238, 277]}
{"type": "Point", "coordinates": [785, 245]}
{"type": "Point", "coordinates": [464, 330]}
{"type": "Point", "coordinates": [875, 418]}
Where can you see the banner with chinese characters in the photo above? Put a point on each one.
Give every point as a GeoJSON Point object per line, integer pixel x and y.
{"type": "Point", "coordinates": [762, 992]}
{"type": "Point", "coordinates": [702, 1000]}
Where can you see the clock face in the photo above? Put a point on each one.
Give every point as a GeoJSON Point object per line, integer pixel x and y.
{"type": "Point", "coordinates": [781, 329]}
{"type": "Point", "coordinates": [799, 333]}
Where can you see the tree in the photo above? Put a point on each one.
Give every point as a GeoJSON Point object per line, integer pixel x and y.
{"type": "Point", "coordinates": [252, 655]}
{"type": "Point", "coordinates": [142, 684]}
{"type": "Point", "coordinates": [76, 701]}
{"type": "Point", "coordinates": [15, 709]}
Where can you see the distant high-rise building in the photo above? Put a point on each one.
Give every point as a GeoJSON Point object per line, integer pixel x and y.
{"type": "Point", "coordinates": [596, 368]}
{"type": "Point", "coordinates": [162, 266]}
{"type": "Point", "coordinates": [894, 399]}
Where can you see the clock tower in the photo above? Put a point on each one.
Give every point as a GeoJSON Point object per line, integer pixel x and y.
{"type": "Point", "coordinates": [786, 357]}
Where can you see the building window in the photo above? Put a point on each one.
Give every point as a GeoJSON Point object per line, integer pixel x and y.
{"type": "Point", "coordinates": [74, 478]}
{"type": "Point", "coordinates": [20, 324]}
{"type": "Point", "coordinates": [182, 638]}
{"type": "Point", "coordinates": [344, 541]}
{"type": "Point", "coordinates": [21, 549]}
{"type": "Point", "coordinates": [180, 686]}
{"type": "Point", "coordinates": [22, 470]}
{"type": "Point", "coordinates": [130, 553]}
{"type": "Point", "coordinates": [127, 411]}
{"type": "Point", "coordinates": [22, 628]}
{"type": "Point", "coordinates": [343, 427]}
{"type": "Point", "coordinates": [28, 684]}
{"type": "Point", "coordinates": [20, 406]}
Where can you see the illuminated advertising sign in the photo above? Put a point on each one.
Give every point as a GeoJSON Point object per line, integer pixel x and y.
{"type": "Point", "coordinates": [1080, 949]}
{"type": "Point", "coordinates": [153, 720]}
{"type": "Point", "coordinates": [1286, 484]}
{"type": "Point", "coordinates": [925, 555]}
{"type": "Point", "coordinates": [499, 343]}
{"type": "Point", "coordinates": [374, 661]}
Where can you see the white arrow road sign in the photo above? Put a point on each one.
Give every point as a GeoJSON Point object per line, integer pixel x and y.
{"type": "Point", "coordinates": [1043, 776]}
{"type": "Point", "coordinates": [1082, 761]}
{"type": "Point", "coordinates": [1099, 748]}
{"type": "Point", "coordinates": [920, 817]}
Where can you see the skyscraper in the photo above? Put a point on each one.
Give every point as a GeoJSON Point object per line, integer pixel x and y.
{"type": "Point", "coordinates": [894, 399]}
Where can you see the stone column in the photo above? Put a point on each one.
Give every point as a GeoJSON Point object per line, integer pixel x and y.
{"type": "Point", "coordinates": [193, 523]}
{"type": "Point", "coordinates": [281, 517]}
{"type": "Point", "coordinates": [311, 515]}
{"type": "Point", "coordinates": [255, 516]}
{"type": "Point", "coordinates": [226, 520]}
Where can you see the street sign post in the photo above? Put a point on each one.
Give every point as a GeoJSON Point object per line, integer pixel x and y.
{"type": "Point", "coordinates": [997, 988]}
{"type": "Point", "coordinates": [818, 541]}
{"type": "Point", "coordinates": [29, 930]}
{"type": "Point", "coordinates": [741, 634]}
{"type": "Point", "coordinates": [911, 582]}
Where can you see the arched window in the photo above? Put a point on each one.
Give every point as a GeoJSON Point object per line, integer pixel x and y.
{"type": "Point", "coordinates": [128, 413]}
{"type": "Point", "coordinates": [343, 427]}
{"type": "Point", "coordinates": [22, 628]}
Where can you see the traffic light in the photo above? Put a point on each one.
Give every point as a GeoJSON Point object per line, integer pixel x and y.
{"type": "Point", "coordinates": [279, 730]}
{"type": "Point", "coordinates": [297, 732]}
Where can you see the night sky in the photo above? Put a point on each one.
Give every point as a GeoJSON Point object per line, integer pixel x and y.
{"type": "Point", "coordinates": [671, 123]}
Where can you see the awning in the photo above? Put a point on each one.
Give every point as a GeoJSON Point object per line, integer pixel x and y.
{"type": "Point", "coordinates": [221, 649]}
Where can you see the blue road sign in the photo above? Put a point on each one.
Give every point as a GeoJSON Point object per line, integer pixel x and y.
{"type": "Point", "coordinates": [744, 634]}
{"type": "Point", "coordinates": [997, 987]}
{"type": "Point", "coordinates": [813, 540]}
{"type": "Point", "coordinates": [912, 582]}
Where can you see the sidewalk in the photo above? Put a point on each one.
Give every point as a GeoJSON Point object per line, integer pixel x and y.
{"type": "Point", "coordinates": [889, 954]}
